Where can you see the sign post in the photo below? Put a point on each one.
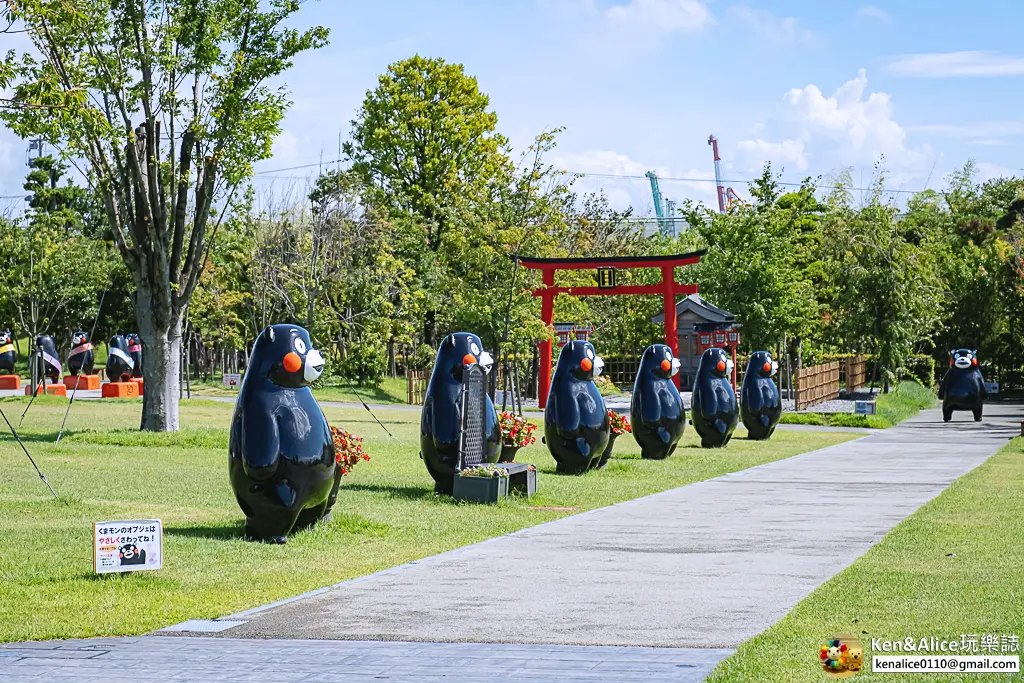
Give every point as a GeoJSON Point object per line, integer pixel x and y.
{"type": "Point", "coordinates": [232, 380]}
{"type": "Point", "coordinates": [127, 546]}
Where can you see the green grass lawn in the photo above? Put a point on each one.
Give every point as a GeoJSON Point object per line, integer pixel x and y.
{"type": "Point", "coordinates": [900, 404]}
{"type": "Point", "coordinates": [391, 391]}
{"type": "Point", "coordinates": [954, 567]}
{"type": "Point", "coordinates": [386, 513]}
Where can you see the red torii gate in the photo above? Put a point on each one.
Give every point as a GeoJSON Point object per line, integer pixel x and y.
{"type": "Point", "coordinates": [668, 287]}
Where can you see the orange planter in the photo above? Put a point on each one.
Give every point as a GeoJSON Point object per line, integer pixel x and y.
{"type": "Point", "coordinates": [8, 382]}
{"type": "Point", "coordinates": [51, 389]}
{"type": "Point", "coordinates": [120, 390]}
{"type": "Point", "coordinates": [82, 382]}
{"type": "Point", "coordinates": [141, 382]}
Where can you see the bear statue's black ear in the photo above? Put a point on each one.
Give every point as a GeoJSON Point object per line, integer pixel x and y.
{"type": "Point", "coordinates": [269, 332]}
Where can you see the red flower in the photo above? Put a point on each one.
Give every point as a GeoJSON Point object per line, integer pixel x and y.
{"type": "Point", "coordinates": [348, 449]}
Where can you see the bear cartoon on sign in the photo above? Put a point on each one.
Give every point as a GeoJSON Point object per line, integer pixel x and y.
{"type": "Point", "coordinates": [714, 402]}
{"type": "Point", "coordinates": [81, 358]}
{"type": "Point", "coordinates": [440, 420]}
{"type": "Point", "coordinates": [8, 354]}
{"type": "Point", "coordinates": [963, 387]}
{"type": "Point", "coordinates": [657, 410]}
{"type": "Point", "coordinates": [760, 403]}
{"type": "Point", "coordinates": [135, 349]}
{"type": "Point", "coordinates": [282, 462]}
{"type": "Point", "coordinates": [576, 426]}
{"type": "Point", "coordinates": [48, 363]}
{"type": "Point", "coordinates": [119, 362]}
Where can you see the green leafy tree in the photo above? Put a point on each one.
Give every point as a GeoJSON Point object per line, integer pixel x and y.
{"type": "Point", "coordinates": [425, 140]}
{"type": "Point", "coordinates": [169, 103]}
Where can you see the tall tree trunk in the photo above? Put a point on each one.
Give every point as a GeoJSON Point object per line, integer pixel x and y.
{"type": "Point", "coordinates": [161, 349]}
{"type": "Point", "coordinates": [429, 326]}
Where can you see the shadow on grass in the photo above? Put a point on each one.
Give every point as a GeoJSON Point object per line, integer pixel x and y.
{"type": "Point", "coordinates": [220, 532]}
{"type": "Point", "coordinates": [407, 492]}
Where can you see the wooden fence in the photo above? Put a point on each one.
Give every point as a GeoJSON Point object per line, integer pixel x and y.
{"type": "Point", "coordinates": [855, 371]}
{"type": "Point", "coordinates": [416, 386]}
{"type": "Point", "coordinates": [621, 371]}
{"type": "Point", "coordinates": [816, 383]}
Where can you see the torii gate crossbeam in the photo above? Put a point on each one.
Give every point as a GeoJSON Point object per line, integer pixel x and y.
{"type": "Point", "coordinates": [668, 288]}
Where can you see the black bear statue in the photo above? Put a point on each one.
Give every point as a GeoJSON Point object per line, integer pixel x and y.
{"type": "Point", "coordinates": [963, 387]}
{"type": "Point", "coordinates": [760, 402]}
{"type": "Point", "coordinates": [440, 419]}
{"type": "Point", "coordinates": [714, 409]}
{"type": "Point", "coordinates": [81, 359]}
{"type": "Point", "coordinates": [656, 410]}
{"type": "Point", "coordinates": [135, 349]}
{"type": "Point", "coordinates": [47, 362]}
{"type": "Point", "coordinates": [119, 361]}
{"type": "Point", "coordinates": [8, 354]}
{"type": "Point", "coordinates": [281, 457]}
{"type": "Point", "coordinates": [576, 426]}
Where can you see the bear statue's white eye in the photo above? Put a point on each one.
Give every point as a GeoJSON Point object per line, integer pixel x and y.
{"type": "Point", "coordinates": [590, 354]}
{"type": "Point", "coordinates": [474, 348]}
{"type": "Point", "coordinates": [300, 346]}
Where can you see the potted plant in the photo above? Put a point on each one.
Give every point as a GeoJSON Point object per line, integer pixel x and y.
{"type": "Point", "coordinates": [620, 425]}
{"type": "Point", "coordinates": [348, 449]}
{"type": "Point", "coordinates": [516, 433]}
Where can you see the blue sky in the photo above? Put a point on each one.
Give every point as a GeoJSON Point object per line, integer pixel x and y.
{"type": "Point", "coordinates": [640, 84]}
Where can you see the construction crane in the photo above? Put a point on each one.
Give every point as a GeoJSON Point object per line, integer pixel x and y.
{"type": "Point", "coordinates": [726, 196]}
{"type": "Point", "coordinates": [664, 209]}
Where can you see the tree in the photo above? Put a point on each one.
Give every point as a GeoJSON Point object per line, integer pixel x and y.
{"type": "Point", "coordinates": [52, 272]}
{"type": "Point", "coordinates": [196, 75]}
{"type": "Point", "coordinates": [424, 138]}
{"type": "Point", "coordinates": [889, 289]}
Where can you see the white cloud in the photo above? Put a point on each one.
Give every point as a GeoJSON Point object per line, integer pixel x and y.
{"type": "Point", "coordinates": [872, 13]}
{"type": "Point", "coordinates": [784, 31]}
{"type": "Point", "coordinates": [662, 16]}
{"type": "Point", "coordinates": [976, 129]}
{"type": "Point", "coordinates": [861, 128]}
{"type": "Point", "coordinates": [953, 64]}
{"type": "Point", "coordinates": [987, 171]}
{"type": "Point", "coordinates": [785, 153]}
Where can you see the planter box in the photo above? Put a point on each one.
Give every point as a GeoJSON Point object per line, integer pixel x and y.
{"type": "Point", "coordinates": [480, 489]}
{"type": "Point", "coordinates": [10, 382]}
{"type": "Point", "coordinates": [521, 479]}
{"type": "Point", "coordinates": [120, 390]}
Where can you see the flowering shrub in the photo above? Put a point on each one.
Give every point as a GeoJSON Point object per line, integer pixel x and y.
{"type": "Point", "coordinates": [348, 449]}
{"type": "Point", "coordinates": [486, 471]}
{"type": "Point", "coordinates": [620, 423]}
{"type": "Point", "coordinates": [515, 430]}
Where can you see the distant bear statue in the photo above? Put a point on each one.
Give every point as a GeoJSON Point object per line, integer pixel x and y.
{"type": "Point", "coordinates": [656, 410]}
{"type": "Point", "coordinates": [760, 403]}
{"type": "Point", "coordinates": [119, 362]}
{"type": "Point", "coordinates": [8, 354]}
{"type": "Point", "coordinates": [81, 359]}
{"type": "Point", "coordinates": [440, 419]}
{"type": "Point", "coordinates": [576, 425]}
{"type": "Point", "coordinates": [282, 462]}
{"type": "Point", "coordinates": [135, 349]}
{"type": "Point", "coordinates": [714, 410]}
{"type": "Point", "coordinates": [963, 387]}
{"type": "Point", "coordinates": [47, 362]}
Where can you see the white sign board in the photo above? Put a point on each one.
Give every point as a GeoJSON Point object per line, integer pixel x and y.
{"type": "Point", "coordinates": [992, 387]}
{"type": "Point", "coordinates": [232, 380]}
{"type": "Point", "coordinates": [127, 546]}
{"type": "Point", "coordinates": [864, 407]}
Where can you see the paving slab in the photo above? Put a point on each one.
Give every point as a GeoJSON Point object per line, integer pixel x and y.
{"type": "Point", "coordinates": [706, 565]}
{"type": "Point", "coordinates": [218, 660]}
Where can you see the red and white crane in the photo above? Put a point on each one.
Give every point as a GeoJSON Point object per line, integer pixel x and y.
{"type": "Point", "coordinates": [726, 196]}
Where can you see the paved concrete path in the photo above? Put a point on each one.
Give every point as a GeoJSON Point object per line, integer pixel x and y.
{"type": "Point", "coordinates": [705, 565]}
{"type": "Point", "coordinates": [158, 660]}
